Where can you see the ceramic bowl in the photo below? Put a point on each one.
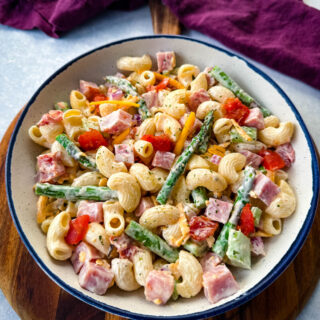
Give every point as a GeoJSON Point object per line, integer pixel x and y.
{"type": "Point", "coordinates": [92, 66]}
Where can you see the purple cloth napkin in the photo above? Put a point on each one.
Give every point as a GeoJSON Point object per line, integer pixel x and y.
{"type": "Point", "coordinates": [56, 16]}
{"type": "Point", "coordinates": [283, 34]}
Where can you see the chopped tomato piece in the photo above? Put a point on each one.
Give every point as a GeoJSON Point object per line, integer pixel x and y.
{"type": "Point", "coordinates": [272, 160]}
{"type": "Point", "coordinates": [159, 143]}
{"type": "Point", "coordinates": [78, 229]}
{"type": "Point", "coordinates": [91, 140]}
{"type": "Point", "coordinates": [246, 223]}
{"type": "Point", "coordinates": [163, 84]}
{"type": "Point", "coordinates": [202, 227]}
{"type": "Point", "coordinates": [93, 92]}
{"type": "Point", "coordinates": [234, 109]}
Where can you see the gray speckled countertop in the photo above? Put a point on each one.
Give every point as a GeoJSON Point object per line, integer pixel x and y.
{"type": "Point", "coordinates": [27, 58]}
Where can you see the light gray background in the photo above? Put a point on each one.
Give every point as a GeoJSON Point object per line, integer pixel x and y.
{"type": "Point", "coordinates": [28, 58]}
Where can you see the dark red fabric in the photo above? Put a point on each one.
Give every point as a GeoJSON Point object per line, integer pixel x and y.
{"type": "Point", "coordinates": [282, 34]}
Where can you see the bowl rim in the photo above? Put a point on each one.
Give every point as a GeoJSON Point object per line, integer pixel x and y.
{"type": "Point", "coordinates": [243, 298]}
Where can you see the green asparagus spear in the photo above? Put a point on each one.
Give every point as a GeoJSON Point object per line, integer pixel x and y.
{"type": "Point", "coordinates": [229, 83]}
{"type": "Point", "coordinates": [203, 147]}
{"type": "Point", "coordinates": [199, 196]}
{"type": "Point", "coordinates": [182, 161]}
{"type": "Point", "coordinates": [220, 246]}
{"type": "Point", "coordinates": [75, 193]}
{"type": "Point", "coordinates": [151, 241]}
{"type": "Point", "coordinates": [197, 249]}
{"type": "Point", "coordinates": [75, 152]}
{"type": "Point", "coordinates": [122, 84]}
{"type": "Point", "coordinates": [62, 106]}
{"type": "Point", "coordinates": [143, 110]}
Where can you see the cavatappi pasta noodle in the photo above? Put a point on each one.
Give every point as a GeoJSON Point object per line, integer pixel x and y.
{"type": "Point", "coordinates": [161, 179]}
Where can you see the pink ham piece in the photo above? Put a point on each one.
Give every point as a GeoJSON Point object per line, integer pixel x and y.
{"type": "Point", "coordinates": [115, 94]}
{"type": "Point", "coordinates": [116, 122]}
{"type": "Point", "coordinates": [50, 167]}
{"type": "Point", "coordinates": [163, 159]}
{"type": "Point", "coordinates": [124, 246]}
{"type": "Point", "coordinates": [287, 153]}
{"type": "Point", "coordinates": [89, 89]}
{"type": "Point", "coordinates": [215, 159]}
{"type": "Point", "coordinates": [210, 79]}
{"type": "Point", "coordinates": [254, 119]}
{"type": "Point", "coordinates": [219, 283]}
{"type": "Point", "coordinates": [210, 261]}
{"type": "Point", "coordinates": [52, 117]}
{"type": "Point", "coordinates": [218, 210]}
{"type": "Point", "coordinates": [145, 203]}
{"type": "Point", "coordinates": [197, 97]}
{"type": "Point", "coordinates": [159, 286]}
{"type": "Point", "coordinates": [95, 278]}
{"type": "Point", "coordinates": [253, 159]}
{"type": "Point", "coordinates": [84, 253]}
{"type": "Point", "coordinates": [92, 209]}
{"type": "Point", "coordinates": [265, 189]}
{"type": "Point", "coordinates": [257, 246]}
{"type": "Point", "coordinates": [196, 126]}
{"type": "Point", "coordinates": [151, 98]}
{"type": "Point", "coordinates": [124, 153]}
{"type": "Point", "coordinates": [166, 61]}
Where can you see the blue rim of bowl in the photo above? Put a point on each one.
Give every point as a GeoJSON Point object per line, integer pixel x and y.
{"type": "Point", "coordinates": [243, 298]}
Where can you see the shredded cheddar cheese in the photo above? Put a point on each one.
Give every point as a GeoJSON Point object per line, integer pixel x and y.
{"type": "Point", "coordinates": [172, 82]}
{"type": "Point", "coordinates": [217, 150]}
{"type": "Point", "coordinates": [241, 131]}
{"type": "Point", "coordinates": [184, 133]}
{"type": "Point", "coordinates": [118, 139]}
{"type": "Point", "coordinates": [118, 102]}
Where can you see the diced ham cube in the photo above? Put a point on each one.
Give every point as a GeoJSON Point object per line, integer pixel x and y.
{"type": "Point", "coordinates": [50, 167]}
{"type": "Point", "coordinates": [163, 159]}
{"type": "Point", "coordinates": [53, 116]}
{"type": "Point", "coordinates": [145, 203]}
{"type": "Point", "coordinates": [265, 189]}
{"type": "Point", "coordinates": [254, 119]}
{"type": "Point", "coordinates": [215, 159]}
{"type": "Point", "coordinates": [210, 261]}
{"type": "Point", "coordinates": [210, 79]}
{"type": "Point", "coordinates": [197, 97]}
{"type": "Point", "coordinates": [84, 253]}
{"type": "Point", "coordinates": [92, 209]}
{"type": "Point", "coordinates": [257, 246]}
{"type": "Point", "coordinates": [124, 153]}
{"type": "Point", "coordinates": [287, 153]}
{"type": "Point", "coordinates": [114, 93]}
{"type": "Point", "coordinates": [89, 89]}
{"type": "Point", "coordinates": [116, 122]}
{"type": "Point", "coordinates": [196, 126]}
{"type": "Point", "coordinates": [124, 246]}
{"type": "Point", "coordinates": [166, 61]}
{"type": "Point", "coordinates": [253, 159]}
{"type": "Point", "coordinates": [95, 278]}
{"type": "Point", "coordinates": [159, 286]}
{"type": "Point", "coordinates": [151, 98]}
{"type": "Point", "coordinates": [219, 283]}
{"type": "Point", "coordinates": [218, 210]}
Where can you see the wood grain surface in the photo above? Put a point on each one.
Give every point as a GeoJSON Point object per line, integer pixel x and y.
{"type": "Point", "coordinates": [34, 296]}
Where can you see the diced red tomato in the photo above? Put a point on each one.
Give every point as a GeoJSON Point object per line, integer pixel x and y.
{"type": "Point", "coordinates": [91, 140]}
{"type": "Point", "coordinates": [78, 229]}
{"type": "Point", "coordinates": [92, 93]}
{"type": "Point", "coordinates": [202, 227]}
{"type": "Point", "coordinates": [272, 160]}
{"type": "Point", "coordinates": [161, 143]}
{"type": "Point", "coordinates": [235, 109]}
{"type": "Point", "coordinates": [246, 223]}
{"type": "Point", "coordinates": [163, 84]}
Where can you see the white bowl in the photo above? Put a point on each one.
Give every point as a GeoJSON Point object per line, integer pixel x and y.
{"type": "Point", "coordinates": [92, 66]}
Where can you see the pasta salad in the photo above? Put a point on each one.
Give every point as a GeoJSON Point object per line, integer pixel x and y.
{"type": "Point", "coordinates": [162, 179]}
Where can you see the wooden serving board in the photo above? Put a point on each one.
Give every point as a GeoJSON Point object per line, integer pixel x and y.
{"type": "Point", "coordinates": [34, 296]}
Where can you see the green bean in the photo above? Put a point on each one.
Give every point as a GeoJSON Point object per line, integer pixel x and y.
{"type": "Point", "coordinates": [199, 196]}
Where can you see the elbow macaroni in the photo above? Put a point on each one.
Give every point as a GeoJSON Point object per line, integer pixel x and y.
{"type": "Point", "coordinates": [186, 73]}
{"type": "Point", "coordinates": [113, 218]}
{"type": "Point", "coordinates": [135, 63]}
{"type": "Point", "coordinates": [276, 136]}
{"type": "Point", "coordinates": [142, 265]}
{"type": "Point", "coordinates": [174, 104]}
{"type": "Point", "coordinates": [169, 125]}
{"type": "Point", "coordinates": [230, 166]}
{"type": "Point", "coordinates": [220, 93]}
{"type": "Point", "coordinates": [97, 237]}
